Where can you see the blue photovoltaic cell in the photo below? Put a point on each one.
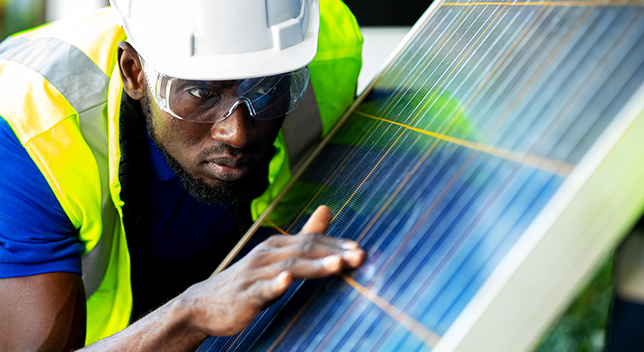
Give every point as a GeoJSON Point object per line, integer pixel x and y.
{"type": "Point", "coordinates": [445, 163]}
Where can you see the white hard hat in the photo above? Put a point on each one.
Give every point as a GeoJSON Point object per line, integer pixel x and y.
{"type": "Point", "coordinates": [221, 39]}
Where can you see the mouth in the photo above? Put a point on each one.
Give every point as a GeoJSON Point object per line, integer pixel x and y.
{"type": "Point", "coordinates": [229, 168]}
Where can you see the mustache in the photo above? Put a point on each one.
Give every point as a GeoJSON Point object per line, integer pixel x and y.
{"type": "Point", "coordinates": [225, 149]}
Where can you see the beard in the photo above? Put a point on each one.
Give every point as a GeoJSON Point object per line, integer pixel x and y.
{"type": "Point", "coordinates": [221, 193]}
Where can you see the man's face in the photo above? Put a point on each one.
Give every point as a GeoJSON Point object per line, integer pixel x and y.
{"type": "Point", "coordinates": [223, 163]}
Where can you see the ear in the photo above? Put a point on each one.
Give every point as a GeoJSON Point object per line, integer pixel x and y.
{"type": "Point", "coordinates": [131, 71]}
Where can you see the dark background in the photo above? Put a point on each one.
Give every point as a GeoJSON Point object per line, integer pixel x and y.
{"type": "Point", "coordinates": [387, 12]}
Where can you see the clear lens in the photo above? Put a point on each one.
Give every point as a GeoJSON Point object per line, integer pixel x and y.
{"type": "Point", "coordinates": [211, 101]}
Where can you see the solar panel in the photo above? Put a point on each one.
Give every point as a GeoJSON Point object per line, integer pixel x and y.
{"type": "Point", "coordinates": [492, 165]}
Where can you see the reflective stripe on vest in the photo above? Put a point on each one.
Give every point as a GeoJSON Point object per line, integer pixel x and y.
{"type": "Point", "coordinates": [61, 96]}
{"type": "Point", "coordinates": [84, 86]}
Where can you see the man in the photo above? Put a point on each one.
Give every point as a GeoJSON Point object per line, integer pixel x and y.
{"type": "Point", "coordinates": [103, 216]}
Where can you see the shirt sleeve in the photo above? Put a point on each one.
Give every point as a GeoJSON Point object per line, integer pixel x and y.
{"type": "Point", "coordinates": [36, 236]}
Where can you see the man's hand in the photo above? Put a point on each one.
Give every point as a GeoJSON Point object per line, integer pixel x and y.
{"type": "Point", "coordinates": [228, 302]}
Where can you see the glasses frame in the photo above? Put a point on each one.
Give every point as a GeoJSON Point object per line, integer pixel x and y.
{"type": "Point", "coordinates": [154, 80]}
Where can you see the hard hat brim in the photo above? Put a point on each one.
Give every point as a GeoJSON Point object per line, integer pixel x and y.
{"type": "Point", "coordinates": [177, 61]}
{"type": "Point", "coordinates": [239, 66]}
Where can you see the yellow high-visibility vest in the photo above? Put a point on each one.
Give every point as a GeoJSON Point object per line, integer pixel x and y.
{"type": "Point", "coordinates": [60, 91]}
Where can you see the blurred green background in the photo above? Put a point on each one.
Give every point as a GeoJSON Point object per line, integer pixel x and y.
{"type": "Point", "coordinates": [18, 15]}
{"type": "Point", "coordinates": [582, 328]}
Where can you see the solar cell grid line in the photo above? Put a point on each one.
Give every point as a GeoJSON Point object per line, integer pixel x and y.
{"type": "Point", "coordinates": [591, 80]}
{"type": "Point", "coordinates": [556, 94]}
{"type": "Point", "coordinates": [570, 106]}
{"type": "Point", "coordinates": [369, 173]}
{"type": "Point", "coordinates": [597, 99]}
{"type": "Point", "coordinates": [583, 88]}
{"type": "Point", "coordinates": [279, 338]}
{"type": "Point", "coordinates": [474, 219]}
{"type": "Point", "coordinates": [434, 89]}
{"type": "Point", "coordinates": [526, 62]}
{"type": "Point", "coordinates": [338, 212]}
{"type": "Point", "coordinates": [505, 114]}
{"type": "Point", "coordinates": [331, 177]}
{"type": "Point", "coordinates": [419, 112]}
{"type": "Point", "coordinates": [602, 3]}
{"type": "Point", "coordinates": [536, 161]}
{"type": "Point", "coordinates": [471, 73]}
{"type": "Point", "coordinates": [437, 198]}
{"type": "Point", "coordinates": [491, 77]}
{"type": "Point", "coordinates": [426, 106]}
{"type": "Point", "coordinates": [567, 102]}
{"type": "Point", "coordinates": [466, 104]}
{"type": "Point", "coordinates": [442, 261]}
{"type": "Point", "coordinates": [529, 87]}
{"type": "Point", "coordinates": [436, 235]}
{"type": "Point", "coordinates": [399, 248]}
{"type": "Point", "coordinates": [428, 211]}
{"type": "Point", "coordinates": [420, 66]}
{"type": "Point", "coordinates": [429, 64]}
{"type": "Point", "coordinates": [523, 70]}
{"type": "Point", "coordinates": [392, 311]}
{"type": "Point", "coordinates": [408, 55]}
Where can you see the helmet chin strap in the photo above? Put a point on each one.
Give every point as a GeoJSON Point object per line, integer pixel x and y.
{"type": "Point", "coordinates": [239, 101]}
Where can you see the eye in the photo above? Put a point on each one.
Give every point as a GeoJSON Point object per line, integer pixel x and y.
{"type": "Point", "coordinates": [201, 92]}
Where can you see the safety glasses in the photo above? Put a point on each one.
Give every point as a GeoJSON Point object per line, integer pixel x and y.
{"type": "Point", "coordinates": [212, 101]}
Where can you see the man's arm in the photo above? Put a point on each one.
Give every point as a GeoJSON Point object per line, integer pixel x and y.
{"type": "Point", "coordinates": [43, 312]}
{"type": "Point", "coordinates": [42, 300]}
{"type": "Point", "coordinates": [222, 305]}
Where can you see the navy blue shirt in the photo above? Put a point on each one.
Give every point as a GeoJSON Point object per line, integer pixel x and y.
{"type": "Point", "coordinates": [37, 237]}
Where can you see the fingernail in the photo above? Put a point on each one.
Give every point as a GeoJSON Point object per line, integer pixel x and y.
{"type": "Point", "coordinates": [353, 257]}
{"type": "Point", "coordinates": [332, 262]}
{"type": "Point", "coordinates": [280, 280]}
{"type": "Point", "coordinates": [350, 245]}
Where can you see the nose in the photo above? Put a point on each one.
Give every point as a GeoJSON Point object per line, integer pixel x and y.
{"type": "Point", "coordinates": [237, 130]}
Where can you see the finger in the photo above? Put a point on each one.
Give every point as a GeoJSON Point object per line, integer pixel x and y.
{"type": "Point", "coordinates": [301, 268]}
{"type": "Point", "coordinates": [324, 245]}
{"type": "Point", "coordinates": [319, 221]}
{"type": "Point", "coordinates": [283, 241]}
{"type": "Point", "coordinates": [317, 247]}
{"type": "Point", "coordinates": [268, 290]}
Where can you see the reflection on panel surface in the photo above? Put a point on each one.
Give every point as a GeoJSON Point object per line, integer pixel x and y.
{"type": "Point", "coordinates": [442, 167]}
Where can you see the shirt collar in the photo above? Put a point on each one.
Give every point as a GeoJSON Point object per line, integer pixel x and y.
{"type": "Point", "coordinates": [160, 168]}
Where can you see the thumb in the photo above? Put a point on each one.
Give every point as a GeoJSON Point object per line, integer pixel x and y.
{"type": "Point", "coordinates": [319, 221]}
